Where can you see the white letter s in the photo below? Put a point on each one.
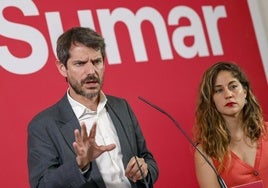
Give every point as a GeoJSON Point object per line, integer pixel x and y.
{"type": "Point", "coordinates": [39, 54]}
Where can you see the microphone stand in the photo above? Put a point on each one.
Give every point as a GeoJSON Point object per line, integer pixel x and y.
{"type": "Point", "coordinates": [131, 149]}
{"type": "Point", "coordinates": [220, 180]}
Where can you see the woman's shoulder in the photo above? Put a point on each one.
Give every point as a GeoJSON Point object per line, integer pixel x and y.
{"type": "Point", "coordinates": [265, 132]}
{"type": "Point", "coordinates": [266, 128]}
{"type": "Point", "coordinates": [200, 155]}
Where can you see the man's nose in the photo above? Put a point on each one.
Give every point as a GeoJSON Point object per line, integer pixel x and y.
{"type": "Point", "coordinates": [90, 68]}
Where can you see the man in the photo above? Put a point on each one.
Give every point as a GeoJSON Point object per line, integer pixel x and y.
{"type": "Point", "coordinates": [87, 139]}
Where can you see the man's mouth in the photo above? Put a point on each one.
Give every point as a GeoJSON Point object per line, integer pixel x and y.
{"type": "Point", "coordinates": [90, 80]}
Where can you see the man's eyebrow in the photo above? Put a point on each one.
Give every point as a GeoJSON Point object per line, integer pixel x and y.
{"type": "Point", "coordinates": [96, 59]}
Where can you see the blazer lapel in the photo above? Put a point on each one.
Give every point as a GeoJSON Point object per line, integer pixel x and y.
{"type": "Point", "coordinates": [67, 124]}
{"type": "Point", "coordinates": [124, 142]}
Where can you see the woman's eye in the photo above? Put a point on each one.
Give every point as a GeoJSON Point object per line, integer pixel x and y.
{"type": "Point", "coordinates": [218, 90]}
{"type": "Point", "coordinates": [233, 86]}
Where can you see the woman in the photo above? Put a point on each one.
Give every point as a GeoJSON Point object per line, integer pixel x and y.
{"type": "Point", "coordinates": [230, 130]}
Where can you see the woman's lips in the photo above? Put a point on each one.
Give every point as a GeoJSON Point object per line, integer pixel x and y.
{"type": "Point", "coordinates": [230, 104]}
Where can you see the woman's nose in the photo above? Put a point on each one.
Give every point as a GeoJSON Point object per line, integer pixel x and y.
{"type": "Point", "coordinates": [227, 93]}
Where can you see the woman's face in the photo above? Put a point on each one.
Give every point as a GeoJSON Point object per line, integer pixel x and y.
{"type": "Point", "coordinates": [229, 95]}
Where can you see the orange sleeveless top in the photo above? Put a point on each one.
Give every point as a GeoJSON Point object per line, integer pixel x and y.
{"type": "Point", "coordinates": [240, 172]}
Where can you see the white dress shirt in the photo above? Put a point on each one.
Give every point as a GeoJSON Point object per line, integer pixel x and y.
{"type": "Point", "coordinates": [109, 163]}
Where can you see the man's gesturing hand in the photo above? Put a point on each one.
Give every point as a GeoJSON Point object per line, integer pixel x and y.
{"type": "Point", "coordinates": [86, 148]}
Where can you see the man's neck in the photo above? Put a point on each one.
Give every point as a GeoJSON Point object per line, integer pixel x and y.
{"type": "Point", "coordinates": [90, 103]}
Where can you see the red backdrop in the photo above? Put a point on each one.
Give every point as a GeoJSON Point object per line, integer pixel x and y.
{"type": "Point", "coordinates": [157, 50]}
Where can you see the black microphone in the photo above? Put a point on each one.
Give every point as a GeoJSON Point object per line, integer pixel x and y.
{"type": "Point", "coordinates": [130, 146]}
{"type": "Point", "coordinates": [220, 180]}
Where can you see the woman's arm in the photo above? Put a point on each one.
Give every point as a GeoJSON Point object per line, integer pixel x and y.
{"type": "Point", "coordinates": [205, 174]}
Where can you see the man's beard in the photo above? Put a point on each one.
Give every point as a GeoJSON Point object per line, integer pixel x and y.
{"type": "Point", "coordinates": [77, 87]}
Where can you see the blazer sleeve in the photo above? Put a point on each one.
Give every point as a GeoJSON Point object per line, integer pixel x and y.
{"type": "Point", "coordinates": [47, 168]}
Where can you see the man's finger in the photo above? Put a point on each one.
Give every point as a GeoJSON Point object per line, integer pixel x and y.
{"type": "Point", "coordinates": [92, 133]}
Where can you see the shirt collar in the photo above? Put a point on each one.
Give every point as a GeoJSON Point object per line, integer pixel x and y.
{"type": "Point", "coordinates": [80, 110]}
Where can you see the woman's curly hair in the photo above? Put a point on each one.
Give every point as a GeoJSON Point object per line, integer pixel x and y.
{"type": "Point", "coordinates": [210, 128]}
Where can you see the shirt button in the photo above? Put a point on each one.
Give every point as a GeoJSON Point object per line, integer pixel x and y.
{"type": "Point", "coordinates": [255, 173]}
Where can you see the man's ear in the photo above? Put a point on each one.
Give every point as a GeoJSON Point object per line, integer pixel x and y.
{"type": "Point", "coordinates": [61, 68]}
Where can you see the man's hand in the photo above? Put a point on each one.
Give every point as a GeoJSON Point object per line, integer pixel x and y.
{"type": "Point", "coordinates": [86, 148]}
{"type": "Point", "coordinates": [133, 172]}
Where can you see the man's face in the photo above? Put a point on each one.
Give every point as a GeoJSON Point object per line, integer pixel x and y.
{"type": "Point", "coordinates": [84, 72]}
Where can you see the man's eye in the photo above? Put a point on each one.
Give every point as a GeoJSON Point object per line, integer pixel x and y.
{"type": "Point", "coordinates": [98, 63]}
{"type": "Point", "coordinates": [95, 62]}
{"type": "Point", "coordinates": [79, 63]}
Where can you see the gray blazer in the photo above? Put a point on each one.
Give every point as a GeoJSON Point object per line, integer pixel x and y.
{"type": "Point", "coordinates": [51, 158]}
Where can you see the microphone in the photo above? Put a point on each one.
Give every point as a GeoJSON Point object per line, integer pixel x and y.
{"type": "Point", "coordinates": [220, 180]}
{"type": "Point", "coordinates": [129, 143]}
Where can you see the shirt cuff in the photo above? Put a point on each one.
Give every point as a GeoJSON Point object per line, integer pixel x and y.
{"type": "Point", "coordinates": [84, 171]}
